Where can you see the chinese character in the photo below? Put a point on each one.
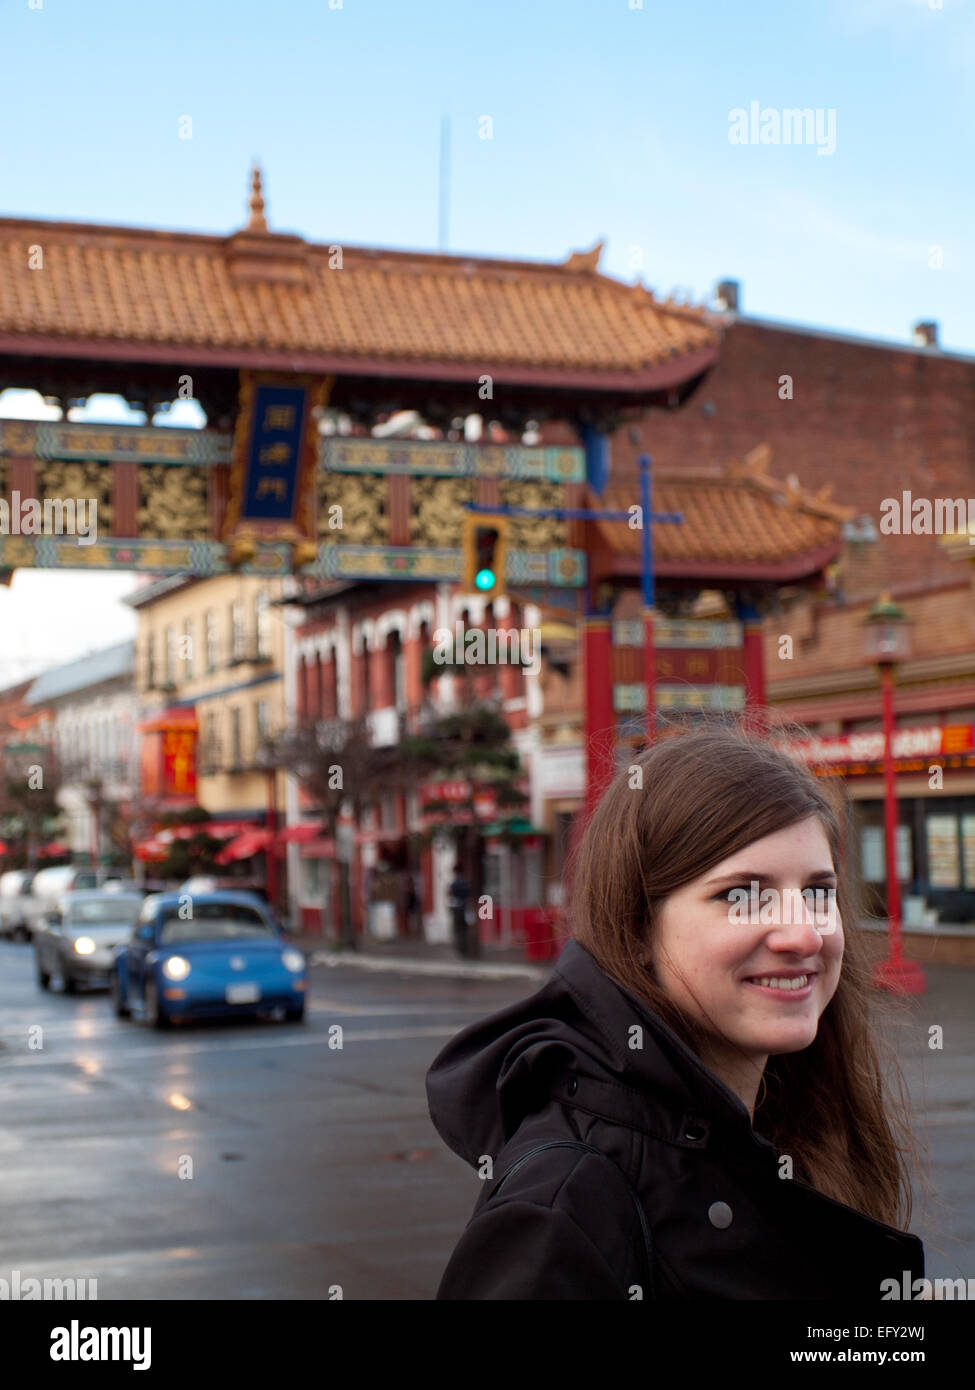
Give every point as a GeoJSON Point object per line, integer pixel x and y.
{"type": "Point", "coordinates": [276, 454]}
{"type": "Point", "coordinates": [276, 486]}
{"type": "Point", "coordinates": [279, 417]}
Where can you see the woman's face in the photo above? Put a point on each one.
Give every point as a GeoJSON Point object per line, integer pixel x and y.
{"type": "Point", "coordinates": [711, 947]}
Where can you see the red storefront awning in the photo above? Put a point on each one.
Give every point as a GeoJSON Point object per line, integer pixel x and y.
{"type": "Point", "coordinates": [216, 829]}
{"type": "Point", "coordinates": [251, 842]}
{"type": "Point", "coordinates": [151, 851]}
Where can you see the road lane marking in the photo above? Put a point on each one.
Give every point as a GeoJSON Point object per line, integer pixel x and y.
{"type": "Point", "coordinates": [172, 1049]}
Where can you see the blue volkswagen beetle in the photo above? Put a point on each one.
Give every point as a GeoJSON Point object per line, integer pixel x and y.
{"type": "Point", "coordinates": [207, 955]}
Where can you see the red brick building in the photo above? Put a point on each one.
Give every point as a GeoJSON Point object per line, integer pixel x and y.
{"type": "Point", "coordinates": [860, 421]}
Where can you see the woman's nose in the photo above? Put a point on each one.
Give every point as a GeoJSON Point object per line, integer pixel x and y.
{"type": "Point", "coordinates": [803, 922]}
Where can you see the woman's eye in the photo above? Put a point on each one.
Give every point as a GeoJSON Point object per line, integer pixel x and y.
{"type": "Point", "coordinates": [751, 892]}
{"type": "Point", "coordinates": [739, 888]}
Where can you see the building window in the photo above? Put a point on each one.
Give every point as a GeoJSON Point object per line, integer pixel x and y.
{"type": "Point", "coordinates": [397, 672]}
{"type": "Point", "coordinates": [150, 663]}
{"type": "Point", "coordinates": [211, 751]}
{"type": "Point", "coordinates": [262, 626]}
{"type": "Point", "coordinates": [211, 641]}
{"type": "Point", "coordinates": [236, 751]}
{"type": "Point", "coordinates": [187, 644]}
{"type": "Point", "coordinates": [237, 630]}
{"type": "Point", "coordinates": [330, 694]}
{"type": "Point", "coordinates": [260, 722]}
{"type": "Point", "coordinates": [170, 655]}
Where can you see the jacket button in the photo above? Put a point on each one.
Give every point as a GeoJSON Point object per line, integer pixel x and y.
{"type": "Point", "coordinates": [720, 1215]}
{"type": "Point", "coordinates": [573, 1085]}
{"type": "Point", "coordinates": [695, 1132]}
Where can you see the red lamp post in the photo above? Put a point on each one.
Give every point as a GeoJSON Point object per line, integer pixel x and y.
{"type": "Point", "coordinates": [887, 642]}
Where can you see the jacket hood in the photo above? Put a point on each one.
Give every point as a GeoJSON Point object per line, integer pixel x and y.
{"type": "Point", "coordinates": [495, 1072]}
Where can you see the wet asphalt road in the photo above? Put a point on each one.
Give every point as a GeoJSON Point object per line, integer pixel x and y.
{"type": "Point", "coordinates": [311, 1166]}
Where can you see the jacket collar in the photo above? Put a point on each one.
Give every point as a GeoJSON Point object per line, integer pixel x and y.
{"type": "Point", "coordinates": [588, 1043]}
{"type": "Point", "coordinates": [664, 1088]}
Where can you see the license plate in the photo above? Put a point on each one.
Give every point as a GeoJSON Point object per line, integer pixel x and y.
{"type": "Point", "coordinates": [243, 994]}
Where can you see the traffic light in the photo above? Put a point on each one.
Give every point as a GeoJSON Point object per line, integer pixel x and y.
{"type": "Point", "coordinates": [485, 554]}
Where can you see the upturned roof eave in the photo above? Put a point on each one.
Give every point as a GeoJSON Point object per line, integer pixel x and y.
{"type": "Point", "coordinates": [801, 565]}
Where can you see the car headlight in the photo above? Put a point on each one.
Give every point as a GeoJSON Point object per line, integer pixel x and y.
{"type": "Point", "coordinates": [293, 961]}
{"type": "Point", "coordinates": [84, 945]}
{"type": "Point", "coordinates": [176, 968]}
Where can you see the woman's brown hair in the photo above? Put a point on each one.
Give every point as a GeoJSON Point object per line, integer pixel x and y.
{"type": "Point", "coordinates": [699, 797]}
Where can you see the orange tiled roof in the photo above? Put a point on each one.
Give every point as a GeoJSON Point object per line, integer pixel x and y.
{"type": "Point", "coordinates": [737, 520]}
{"type": "Point", "coordinates": [277, 297]}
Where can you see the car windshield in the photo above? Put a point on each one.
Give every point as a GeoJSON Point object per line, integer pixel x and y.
{"type": "Point", "coordinates": [103, 911]}
{"type": "Point", "coordinates": [214, 922]}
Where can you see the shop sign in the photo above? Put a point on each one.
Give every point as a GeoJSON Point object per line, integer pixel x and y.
{"type": "Point", "coordinates": [923, 741]}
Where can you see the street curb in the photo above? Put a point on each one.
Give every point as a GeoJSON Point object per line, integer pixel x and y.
{"type": "Point", "coordinates": [472, 970]}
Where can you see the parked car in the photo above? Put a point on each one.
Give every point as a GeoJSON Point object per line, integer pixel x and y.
{"type": "Point", "coordinates": [14, 887]}
{"type": "Point", "coordinates": [77, 946]}
{"type": "Point", "coordinates": [208, 955]}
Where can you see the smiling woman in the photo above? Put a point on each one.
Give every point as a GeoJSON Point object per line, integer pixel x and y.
{"type": "Point", "coordinates": [719, 1069]}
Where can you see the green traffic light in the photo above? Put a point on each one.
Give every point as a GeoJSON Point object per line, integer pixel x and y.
{"type": "Point", "coordinates": [484, 579]}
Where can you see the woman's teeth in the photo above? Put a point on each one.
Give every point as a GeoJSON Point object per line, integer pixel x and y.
{"type": "Point", "coordinates": [782, 981]}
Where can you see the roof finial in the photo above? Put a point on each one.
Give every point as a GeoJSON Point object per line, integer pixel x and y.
{"type": "Point", "coordinates": [258, 222]}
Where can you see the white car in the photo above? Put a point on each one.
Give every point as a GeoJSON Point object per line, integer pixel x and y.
{"type": "Point", "coordinates": [14, 886]}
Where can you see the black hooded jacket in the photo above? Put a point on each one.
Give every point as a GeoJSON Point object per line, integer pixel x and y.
{"type": "Point", "coordinates": [584, 1060]}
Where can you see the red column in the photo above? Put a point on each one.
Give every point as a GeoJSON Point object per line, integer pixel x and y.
{"type": "Point", "coordinates": [896, 973]}
{"type": "Point", "coordinates": [381, 695]}
{"type": "Point", "coordinates": [600, 721]}
{"type": "Point", "coordinates": [356, 681]}
{"type": "Point", "coordinates": [890, 813]}
{"type": "Point", "coordinates": [413, 659]}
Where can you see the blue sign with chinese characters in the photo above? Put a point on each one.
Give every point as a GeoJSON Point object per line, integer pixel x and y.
{"type": "Point", "coordinates": [272, 466]}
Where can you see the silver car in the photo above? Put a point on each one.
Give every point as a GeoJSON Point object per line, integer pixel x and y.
{"type": "Point", "coordinates": [77, 946]}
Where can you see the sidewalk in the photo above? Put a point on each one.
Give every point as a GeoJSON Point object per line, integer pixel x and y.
{"type": "Point", "coordinates": [411, 955]}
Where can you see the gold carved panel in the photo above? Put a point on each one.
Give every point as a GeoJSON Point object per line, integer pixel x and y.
{"type": "Point", "coordinates": [173, 502]}
{"type": "Point", "coordinates": [534, 533]}
{"type": "Point", "coordinates": [88, 482]}
{"type": "Point", "coordinates": [364, 500]}
{"type": "Point", "coordinates": [436, 510]}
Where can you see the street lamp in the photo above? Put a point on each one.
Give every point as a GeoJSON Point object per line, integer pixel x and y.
{"type": "Point", "coordinates": [886, 642]}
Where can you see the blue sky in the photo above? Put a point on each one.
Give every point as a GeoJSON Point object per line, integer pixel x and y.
{"type": "Point", "coordinates": [610, 121]}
